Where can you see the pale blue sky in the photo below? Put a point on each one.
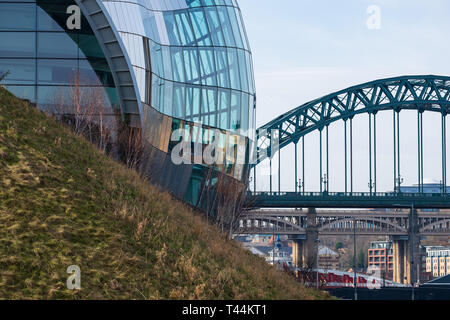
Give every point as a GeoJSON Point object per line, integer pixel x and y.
{"type": "Point", "coordinates": [304, 49]}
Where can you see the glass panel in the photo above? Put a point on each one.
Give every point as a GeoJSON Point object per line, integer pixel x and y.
{"type": "Point", "coordinates": [171, 28]}
{"type": "Point", "coordinates": [17, 44]}
{"type": "Point", "coordinates": [234, 69]}
{"type": "Point", "coordinates": [178, 101]}
{"type": "Point", "coordinates": [57, 71]}
{"type": "Point", "coordinates": [96, 71]}
{"type": "Point", "coordinates": [17, 16]}
{"type": "Point", "coordinates": [66, 48]}
{"type": "Point", "coordinates": [223, 74]}
{"type": "Point", "coordinates": [184, 28]}
{"type": "Point", "coordinates": [235, 117]}
{"type": "Point", "coordinates": [243, 70]}
{"type": "Point", "coordinates": [23, 92]}
{"type": "Point", "coordinates": [226, 26]}
{"type": "Point", "coordinates": [208, 67]}
{"type": "Point", "coordinates": [89, 47]}
{"type": "Point", "coordinates": [21, 71]}
{"type": "Point", "coordinates": [200, 27]}
{"type": "Point", "coordinates": [177, 64]}
{"type": "Point", "coordinates": [214, 26]}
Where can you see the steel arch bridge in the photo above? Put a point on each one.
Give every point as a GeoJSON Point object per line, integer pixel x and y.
{"type": "Point", "coordinates": [295, 223]}
{"type": "Point", "coordinates": [421, 93]}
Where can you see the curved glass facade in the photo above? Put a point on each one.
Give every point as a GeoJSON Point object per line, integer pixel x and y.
{"type": "Point", "coordinates": [191, 59]}
{"type": "Point", "coordinates": [187, 62]}
{"type": "Point", "coordinates": [43, 58]}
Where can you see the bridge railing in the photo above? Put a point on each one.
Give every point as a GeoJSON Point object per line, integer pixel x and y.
{"type": "Point", "coordinates": [351, 194]}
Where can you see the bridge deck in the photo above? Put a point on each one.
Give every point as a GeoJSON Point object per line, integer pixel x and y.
{"type": "Point", "coordinates": [349, 200]}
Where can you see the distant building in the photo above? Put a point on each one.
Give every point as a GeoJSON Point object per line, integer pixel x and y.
{"type": "Point", "coordinates": [280, 256]}
{"type": "Point", "coordinates": [438, 261]}
{"type": "Point", "coordinates": [380, 256]}
{"type": "Point", "coordinates": [431, 187]}
{"type": "Point", "coordinates": [328, 259]}
{"type": "Point", "coordinates": [262, 238]}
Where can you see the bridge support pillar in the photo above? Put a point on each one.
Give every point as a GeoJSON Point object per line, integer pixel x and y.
{"type": "Point", "coordinates": [311, 245]}
{"type": "Point", "coordinates": [305, 247]}
{"type": "Point", "coordinates": [297, 252]}
{"type": "Point", "coordinates": [399, 248]}
{"type": "Point", "coordinates": [406, 252]}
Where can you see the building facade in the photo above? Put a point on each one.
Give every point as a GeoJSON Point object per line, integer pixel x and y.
{"type": "Point", "coordinates": [438, 261]}
{"type": "Point", "coordinates": [380, 255]}
{"type": "Point", "coordinates": [178, 70]}
{"type": "Point", "coordinates": [328, 259]}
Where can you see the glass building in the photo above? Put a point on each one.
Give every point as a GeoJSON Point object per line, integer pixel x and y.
{"type": "Point", "coordinates": [163, 65]}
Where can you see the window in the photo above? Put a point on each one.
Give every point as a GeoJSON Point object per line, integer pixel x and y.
{"type": "Point", "coordinates": [66, 48]}
{"type": "Point", "coordinates": [17, 44]}
{"type": "Point", "coordinates": [21, 71]}
{"type": "Point", "coordinates": [17, 16]}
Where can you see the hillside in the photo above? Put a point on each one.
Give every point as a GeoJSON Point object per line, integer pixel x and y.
{"type": "Point", "coordinates": [64, 203]}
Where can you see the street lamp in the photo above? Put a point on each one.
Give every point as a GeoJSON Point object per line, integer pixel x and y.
{"type": "Point", "coordinates": [325, 182]}
{"type": "Point", "coordinates": [371, 186]}
{"type": "Point", "coordinates": [354, 259]}
{"type": "Point", "coordinates": [399, 181]}
{"type": "Point", "coordinates": [300, 185]}
{"type": "Point", "coordinates": [273, 244]}
{"type": "Point", "coordinates": [317, 264]}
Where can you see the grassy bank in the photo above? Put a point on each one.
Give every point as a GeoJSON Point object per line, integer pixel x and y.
{"type": "Point", "coordinates": [64, 203]}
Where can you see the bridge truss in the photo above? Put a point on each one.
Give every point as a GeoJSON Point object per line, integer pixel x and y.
{"type": "Point", "coordinates": [362, 222]}
{"type": "Point", "coordinates": [421, 93]}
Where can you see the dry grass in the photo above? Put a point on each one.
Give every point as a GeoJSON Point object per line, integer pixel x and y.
{"type": "Point", "coordinates": [64, 203]}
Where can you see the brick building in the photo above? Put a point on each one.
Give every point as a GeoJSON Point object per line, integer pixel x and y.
{"type": "Point", "coordinates": [381, 257]}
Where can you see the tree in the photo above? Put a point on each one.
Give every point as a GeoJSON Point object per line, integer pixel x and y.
{"type": "Point", "coordinates": [83, 106]}
{"type": "Point", "coordinates": [339, 245]}
{"type": "Point", "coordinates": [130, 146]}
{"type": "Point", "coordinates": [361, 261]}
{"type": "Point", "coordinates": [3, 75]}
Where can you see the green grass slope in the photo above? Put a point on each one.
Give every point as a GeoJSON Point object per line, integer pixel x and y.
{"type": "Point", "coordinates": [64, 203]}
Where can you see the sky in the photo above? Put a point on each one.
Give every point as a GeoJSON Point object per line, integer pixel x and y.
{"type": "Point", "coordinates": [305, 49]}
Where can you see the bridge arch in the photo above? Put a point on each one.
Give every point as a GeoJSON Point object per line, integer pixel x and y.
{"type": "Point", "coordinates": [431, 226]}
{"type": "Point", "coordinates": [382, 223]}
{"type": "Point", "coordinates": [422, 93]}
{"type": "Point", "coordinates": [280, 223]}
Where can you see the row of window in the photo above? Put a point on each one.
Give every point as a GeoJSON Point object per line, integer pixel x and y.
{"type": "Point", "coordinates": [50, 98]}
{"type": "Point", "coordinates": [280, 255]}
{"type": "Point", "coordinates": [441, 253]}
{"type": "Point", "coordinates": [164, 5]}
{"type": "Point", "coordinates": [222, 108]}
{"type": "Point", "coordinates": [159, 130]}
{"type": "Point", "coordinates": [43, 45]}
{"type": "Point", "coordinates": [41, 15]}
{"type": "Point", "coordinates": [56, 72]}
{"type": "Point", "coordinates": [44, 62]}
{"type": "Point", "coordinates": [379, 259]}
{"type": "Point", "coordinates": [195, 61]}
{"type": "Point", "coordinates": [221, 67]}
{"type": "Point", "coordinates": [203, 26]}
{"type": "Point", "coordinates": [380, 252]}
